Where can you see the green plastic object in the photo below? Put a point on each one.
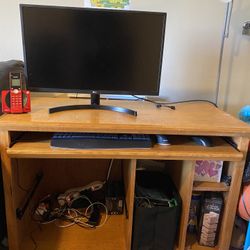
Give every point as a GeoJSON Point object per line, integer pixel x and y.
{"type": "Point", "coordinates": [244, 114]}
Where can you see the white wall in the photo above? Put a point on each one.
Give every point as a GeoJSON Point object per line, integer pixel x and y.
{"type": "Point", "coordinates": [192, 44]}
{"type": "Point", "coordinates": [235, 81]}
{"type": "Point", "coordinates": [191, 48]}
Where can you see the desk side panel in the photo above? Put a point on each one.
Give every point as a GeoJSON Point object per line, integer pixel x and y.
{"type": "Point", "coordinates": [129, 174]}
{"type": "Point", "coordinates": [7, 171]}
{"type": "Point", "coordinates": [231, 198]}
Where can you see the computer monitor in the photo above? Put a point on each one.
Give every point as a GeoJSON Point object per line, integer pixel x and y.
{"type": "Point", "coordinates": [87, 50]}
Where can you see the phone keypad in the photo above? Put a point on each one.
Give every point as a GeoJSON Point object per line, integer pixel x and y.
{"type": "Point", "coordinates": [16, 99]}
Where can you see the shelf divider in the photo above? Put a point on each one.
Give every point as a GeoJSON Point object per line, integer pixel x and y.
{"type": "Point", "coordinates": [204, 186]}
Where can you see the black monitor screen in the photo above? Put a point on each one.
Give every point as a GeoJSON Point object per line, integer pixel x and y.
{"type": "Point", "coordinates": [83, 50]}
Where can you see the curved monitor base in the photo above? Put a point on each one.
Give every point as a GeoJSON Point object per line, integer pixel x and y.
{"type": "Point", "coordinates": [93, 106]}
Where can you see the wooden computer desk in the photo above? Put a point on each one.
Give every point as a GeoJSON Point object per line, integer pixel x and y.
{"type": "Point", "coordinates": [23, 159]}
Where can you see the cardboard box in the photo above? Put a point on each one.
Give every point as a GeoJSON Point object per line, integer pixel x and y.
{"type": "Point", "coordinates": [208, 170]}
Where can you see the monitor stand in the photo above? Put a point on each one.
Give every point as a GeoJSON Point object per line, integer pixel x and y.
{"type": "Point", "coordinates": [95, 104]}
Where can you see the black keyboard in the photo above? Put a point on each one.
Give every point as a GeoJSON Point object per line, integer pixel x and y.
{"type": "Point", "coordinates": [100, 140]}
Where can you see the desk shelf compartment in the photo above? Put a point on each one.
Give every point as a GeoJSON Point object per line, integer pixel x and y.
{"type": "Point", "coordinates": [206, 211]}
{"type": "Point", "coordinates": [60, 175]}
{"type": "Point", "coordinates": [33, 155]}
{"type": "Point", "coordinates": [192, 244]}
{"type": "Point", "coordinates": [37, 145]}
{"type": "Point", "coordinates": [50, 237]}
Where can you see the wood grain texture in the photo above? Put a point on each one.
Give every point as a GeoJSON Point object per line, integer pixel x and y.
{"type": "Point", "coordinates": [62, 174]}
{"type": "Point", "coordinates": [189, 118]}
{"type": "Point", "coordinates": [58, 176]}
{"type": "Point", "coordinates": [24, 176]}
{"type": "Point", "coordinates": [67, 168]}
{"type": "Point", "coordinates": [210, 186]}
{"type": "Point", "coordinates": [183, 175]}
{"type": "Point", "coordinates": [129, 173]}
{"type": "Point", "coordinates": [187, 151]}
{"type": "Point", "coordinates": [231, 198]}
{"type": "Point", "coordinates": [7, 172]}
{"type": "Point", "coordinates": [192, 244]}
{"type": "Point", "coordinates": [50, 237]}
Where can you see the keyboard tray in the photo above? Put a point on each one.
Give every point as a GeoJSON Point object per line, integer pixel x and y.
{"type": "Point", "coordinates": [100, 140]}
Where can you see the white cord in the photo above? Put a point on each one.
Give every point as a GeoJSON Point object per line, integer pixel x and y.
{"type": "Point", "coordinates": [109, 170]}
{"type": "Point", "coordinates": [106, 212]}
{"type": "Point", "coordinates": [79, 220]}
{"type": "Point", "coordinates": [47, 222]}
{"type": "Point", "coordinates": [68, 217]}
{"type": "Point", "coordinates": [74, 218]}
{"type": "Point", "coordinates": [64, 226]}
{"type": "Point", "coordinates": [74, 215]}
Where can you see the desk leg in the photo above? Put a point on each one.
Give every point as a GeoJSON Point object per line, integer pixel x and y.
{"type": "Point", "coordinates": [231, 198]}
{"type": "Point", "coordinates": [129, 172]}
{"type": "Point", "coordinates": [182, 173]}
{"type": "Point", "coordinates": [8, 187]}
{"type": "Point", "coordinates": [186, 177]}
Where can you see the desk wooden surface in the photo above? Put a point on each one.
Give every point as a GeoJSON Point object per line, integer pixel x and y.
{"type": "Point", "coordinates": [198, 118]}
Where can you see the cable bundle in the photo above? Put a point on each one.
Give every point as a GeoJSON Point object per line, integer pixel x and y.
{"type": "Point", "coordinates": [49, 211]}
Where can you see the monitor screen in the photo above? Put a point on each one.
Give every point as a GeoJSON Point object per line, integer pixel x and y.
{"type": "Point", "coordinates": [70, 49]}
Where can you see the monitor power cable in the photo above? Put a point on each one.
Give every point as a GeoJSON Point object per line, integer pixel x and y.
{"type": "Point", "coordinates": [170, 104]}
{"type": "Point", "coordinates": [158, 104]}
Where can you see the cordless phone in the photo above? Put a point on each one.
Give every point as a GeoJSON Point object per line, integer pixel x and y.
{"type": "Point", "coordinates": [16, 99]}
{"type": "Point", "coordinates": [16, 95]}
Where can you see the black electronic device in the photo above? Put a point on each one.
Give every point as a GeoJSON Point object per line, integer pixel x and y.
{"type": "Point", "coordinates": [68, 49]}
{"type": "Point", "coordinates": [114, 197]}
{"type": "Point", "coordinates": [162, 140]}
{"type": "Point", "coordinates": [202, 141]}
{"type": "Point", "coordinates": [100, 140]}
{"type": "Point", "coordinates": [95, 217]}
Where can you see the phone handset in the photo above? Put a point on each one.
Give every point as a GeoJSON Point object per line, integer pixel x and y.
{"type": "Point", "coordinates": [16, 95]}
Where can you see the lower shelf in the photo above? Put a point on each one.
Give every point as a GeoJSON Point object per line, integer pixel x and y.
{"type": "Point", "coordinates": [50, 237]}
{"type": "Point", "coordinates": [192, 244]}
{"type": "Point", "coordinates": [210, 186]}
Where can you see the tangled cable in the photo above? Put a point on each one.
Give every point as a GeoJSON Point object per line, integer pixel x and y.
{"type": "Point", "coordinates": [49, 211]}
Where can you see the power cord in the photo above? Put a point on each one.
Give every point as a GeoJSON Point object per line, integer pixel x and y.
{"type": "Point", "coordinates": [109, 170]}
{"type": "Point", "coordinates": [187, 101]}
{"type": "Point", "coordinates": [158, 105]}
{"type": "Point", "coordinates": [169, 104]}
{"type": "Point", "coordinates": [45, 214]}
